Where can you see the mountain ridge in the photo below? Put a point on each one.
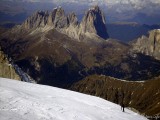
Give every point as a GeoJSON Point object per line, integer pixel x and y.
{"type": "Point", "coordinates": [149, 45]}
{"type": "Point", "coordinates": [93, 23]}
{"type": "Point", "coordinates": [143, 95]}
{"type": "Point", "coordinates": [54, 41]}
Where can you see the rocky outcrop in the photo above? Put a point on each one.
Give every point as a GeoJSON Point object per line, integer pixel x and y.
{"type": "Point", "coordinates": [73, 26]}
{"type": "Point", "coordinates": [12, 71]}
{"type": "Point", "coordinates": [72, 19]}
{"type": "Point", "coordinates": [149, 45]}
{"type": "Point", "coordinates": [38, 19]}
{"type": "Point", "coordinates": [56, 19]}
{"type": "Point", "coordinates": [60, 20]}
{"type": "Point", "coordinates": [6, 69]}
{"type": "Point", "coordinates": [93, 23]}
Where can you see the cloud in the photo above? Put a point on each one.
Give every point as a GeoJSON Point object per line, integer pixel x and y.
{"type": "Point", "coordinates": [148, 6]}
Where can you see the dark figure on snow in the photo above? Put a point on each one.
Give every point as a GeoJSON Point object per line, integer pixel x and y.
{"type": "Point", "coordinates": [122, 106]}
{"type": "Point", "coordinates": [122, 100]}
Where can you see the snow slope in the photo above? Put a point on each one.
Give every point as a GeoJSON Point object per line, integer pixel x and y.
{"type": "Point", "coordinates": [27, 101]}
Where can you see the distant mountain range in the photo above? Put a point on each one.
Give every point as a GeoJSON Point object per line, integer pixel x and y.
{"type": "Point", "coordinates": [128, 31]}
{"type": "Point", "coordinates": [78, 48]}
{"type": "Point", "coordinates": [149, 45]}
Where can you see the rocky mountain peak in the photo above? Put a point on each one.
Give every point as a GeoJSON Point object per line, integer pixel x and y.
{"type": "Point", "coordinates": [154, 35]}
{"type": "Point", "coordinates": [56, 19]}
{"type": "Point", "coordinates": [60, 12]}
{"type": "Point", "coordinates": [38, 19]}
{"type": "Point", "coordinates": [95, 8]}
{"type": "Point", "coordinates": [149, 45]}
{"type": "Point", "coordinates": [60, 20]}
{"type": "Point", "coordinates": [94, 22]}
{"type": "Point", "coordinates": [72, 19]}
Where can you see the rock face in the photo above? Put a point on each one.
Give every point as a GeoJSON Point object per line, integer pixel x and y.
{"type": "Point", "coordinates": [72, 19]}
{"type": "Point", "coordinates": [56, 19]}
{"type": "Point", "coordinates": [73, 26]}
{"type": "Point", "coordinates": [6, 69]}
{"type": "Point", "coordinates": [149, 45]}
{"type": "Point", "coordinates": [93, 22]}
{"type": "Point", "coordinates": [38, 19]}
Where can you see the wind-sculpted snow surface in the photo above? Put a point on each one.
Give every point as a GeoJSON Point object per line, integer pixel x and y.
{"type": "Point", "coordinates": [27, 101]}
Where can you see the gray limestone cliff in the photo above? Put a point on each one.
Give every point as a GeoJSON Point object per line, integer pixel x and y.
{"type": "Point", "coordinates": [93, 23]}
{"type": "Point", "coordinates": [149, 45]}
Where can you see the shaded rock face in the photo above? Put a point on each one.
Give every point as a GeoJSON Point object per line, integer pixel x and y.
{"type": "Point", "coordinates": [60, 20]}
{"type": "Point", "coordinates": [92, 23]}
{"type": "Point", "coordinates": [72, 19]}
{"type": "Point", "coordinates": [38, 19]}
{"type": "Point", "coordinates": [56, 19]}
{"type": "Point", "coordinates": [149, 45]}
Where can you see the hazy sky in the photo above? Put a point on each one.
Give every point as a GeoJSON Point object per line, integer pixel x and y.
{"type": "Point", "coordinates": [146, 5]}
{"type": "Point", "coordinates": [137, 4]}
{"type": "Point", "coordinates": [105, 1]}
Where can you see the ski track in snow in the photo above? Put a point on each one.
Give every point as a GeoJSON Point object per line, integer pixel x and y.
{"type": "Point", "coordinates": [28, 101]}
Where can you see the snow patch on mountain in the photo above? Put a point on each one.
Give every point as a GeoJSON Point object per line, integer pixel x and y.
{"type": "Point", "coordinates": [28, 101]}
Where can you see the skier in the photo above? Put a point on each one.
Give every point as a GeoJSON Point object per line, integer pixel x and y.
{"type": "Point", "coordinates": [122, 106]}
{"type": "Point", "coordinates": [122, 101]}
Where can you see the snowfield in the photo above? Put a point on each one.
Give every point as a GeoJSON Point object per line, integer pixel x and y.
{"type": "Point", "coordinates": [27, 101]}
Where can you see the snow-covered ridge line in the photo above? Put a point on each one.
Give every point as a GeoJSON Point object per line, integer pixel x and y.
{"type": "Point", "coordinates": [21, 100]}
{"type": "Point", "coordinates": [124, 80]}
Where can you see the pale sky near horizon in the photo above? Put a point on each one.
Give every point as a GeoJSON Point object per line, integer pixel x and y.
{"type": "Point", "coordinates": [137, 4]}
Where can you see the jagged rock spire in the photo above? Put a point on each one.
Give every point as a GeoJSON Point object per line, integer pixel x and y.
{"type": "Point", "coordinates": [60, 20]}
{"type": "Point", "coordinates": [38, 19]}
{"type": "Point", "coordinates": [94, 22]}
{"type": "Point", "coordinates": [149, 45]}
{"type": "Point", "coordinates": [72, 19]}
{"type": "Point", "coordinates": [56, 18]}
